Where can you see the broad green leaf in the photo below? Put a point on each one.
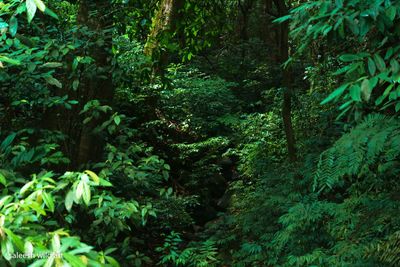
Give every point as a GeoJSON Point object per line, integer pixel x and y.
{"type": "Point", "coordinates": [28, 248]}
{"type": "Point", "coordinates": [335, 94]}
{"type": "Point", "coordinates": [30, 9]}
{"type": "Point", "coordinates": [3, 25]}
{"type": "Point", "coordinates": [10, 60]}
{"type": "Point", "coordinates": [349, 57]}
{"type": "Point", "coordinates": [391, 13]}
{"type": "Point", "coordinates": [49, 262]}
{"type": "Point", "coordinates": [366, 89]}
{"type": "Point", "coordinates": [79, 190]}
{"type": "Point", "coordinates": [7, 249]}
{"type": "Point", "coordinates": [395, 67]}
{"type": "Point", "coordinates": [7, 142]}
{"type": "Point", "coordinates": [282, 19]}
{"type": "Point", "coordinates": [75, 85]}
{"type": "Point", "coordinates": [3, 180]}
{"type": "Point", "coordinates": [40, 5]}
{"type": "Point", "coordinates": [52, 65]}
{"type": "Point", "coordinates": [53, 81]}
{"type": "Point", "coordinates": [13, 26]}
{"type": "Point", "coordinates": [93, 175]}
{"type": "Point", "coordinates": [117, 120]}
{"type": "Point", "coordinates": [5, 200]}
{"type": "Point", "coordinates": [50, 13]}
{"type": "Point", "coordinates": [112, 261]}
{"type": "Point", "coordinates": [346, 104]}
{"type": "Point", "coordinates": [104, 182]}
{"type": "Point", "coordinates": [48, 200]}
{"type": "Point", "coordinates": [380, 63]}
{"type": "Point", "coordinates": [371, 66]}
{"type": "Point", "coordinates": [73, 260]}
{"type": "Point", "coordinates": [397, 108]}
{"type": "Point", "coordinates": [25, 188]}
{"type": "Point", "coordinates": [56, 243]}
{"type": "Point", "coordinates": [15, 239]}
{"type": "Point", "coordinates": [86, 193]}
{"type": "Point", "coordinates": [38, 263]}
{"type": "Point", "coordinates": [355, 93]}
{"type": "Point", "coordinates": [69, 200]}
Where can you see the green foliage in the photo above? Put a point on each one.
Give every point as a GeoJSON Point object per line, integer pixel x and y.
{"type": "Point", "coordinates": [184, 103]}
{"type": "Point", "coordinates": [369, 150]}
{"type": "Point", "coordinates": [195, 254]}
{"type": "Point", "coordinates": [113, 156]}
{"type": "Point", "coordinates": [370, 65]}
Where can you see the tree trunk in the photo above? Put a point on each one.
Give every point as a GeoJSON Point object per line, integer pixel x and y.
{"type": "Point", "coordinates": [283, 10]}
{"type": "Point", "coordinates": [164, 25]}
{"type": "Point", "coordinates": [96, 16]}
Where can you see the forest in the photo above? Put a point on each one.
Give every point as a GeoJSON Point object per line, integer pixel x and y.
{"type": "Point", "coordinates": [187, 133]}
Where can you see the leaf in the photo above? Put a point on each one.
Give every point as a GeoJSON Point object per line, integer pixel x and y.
{"type": "Point", "coordinates": [30, 9]}
{"type": "Point", "coordinates": [15, 239]}
{"type": "Point", "coordinates": [38, 263]}
{"type": "Point", "coordinates": [56, 243]}
{"type": "Point", "coordinates": [40, 5]}
{"type": "Point", "coordinates": [93, 175]}
{"type": "Point", "coordinates": [366, 90]}
{"type": "Point", "coordinates": [79, 191]}
{"type": "Point", "coordinates": [355, 93]}
{"type": "Point", "coordinates": [28, 248]}
{"type": "Point", "coordinates": [49, 262]}
{"type": "Point", "coordinates": [86, 193]}
{"type": "Point", "coordinates": [349, 57]}
{"type": "Point", "coordinates": [395, 67]}
{"type": "Point", "coordinates": [52, 65]}
{"type": "Point", "coordinates": [112, 261]}
{"type": "Point", "coordinates": [7, 142]}
{"type": "Point", "coordinates": [3, 25]}
{"type": "Point", "coordinates": [9, 60]}
{"type": "Point", "coordinates": [3, 179]}
{"type": "Point", "coordinates": [346, 104]}
{"type": "Point", "coordinates": [50, 13]}
{"type": "Point", "coordinates": [13, 26]}
{"type": "Point", "coordinates": [380, 63]}
{"type": "Point", "coordinates": [75, 84]}
{"type": "Point", "coordinates": [69, 200]}
{"type": "Point", "coordinates": [7, 249]}
{"type": "Point", "coordinates": [391, 13]}
{"type": "Point", "coordinates": [5, 200]}
{"type": "Point", "coordinates": [25, 188]}
{"type": "Point", "coordinates": [48, 200]}
{"type": "Point", "coordinates": [53, 81]}
{"type": "Point", "coordinates": [73, 260]}
{"type": "Point", "coordinates": [105, 183]}
{"type": "Point", "coordinates": [384, 95]}
{"type": "Point", "coordinates": [335, 94]}
{"type": "Point", "coordinates": [397, 108]}
{"type": "Point", "coordinates": [282, 19]}
{"type": "Point", "coordinates": [117, 120]}
{"type": "Point", "coordinates": [371, 66]}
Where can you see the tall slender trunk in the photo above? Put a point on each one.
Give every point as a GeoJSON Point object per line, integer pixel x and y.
{"type": "Point", "coordinates": [96, 16]}
{"type": "Point", "coordinates": [284, 47]}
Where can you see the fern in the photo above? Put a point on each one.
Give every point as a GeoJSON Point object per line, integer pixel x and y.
{"type": "Point", "coordinates": [371, 144]}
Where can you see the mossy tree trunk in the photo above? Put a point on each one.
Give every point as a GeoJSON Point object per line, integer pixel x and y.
{"type": "Point", "coordinates": [161, 36]}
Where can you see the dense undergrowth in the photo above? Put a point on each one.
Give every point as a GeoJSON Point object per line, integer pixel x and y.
{"type": "Point", "coordinates": [157, 133]}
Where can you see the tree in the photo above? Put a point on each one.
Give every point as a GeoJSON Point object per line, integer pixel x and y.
{"type": "Point", "coordinates": [163, 29]}
{"type": "Point", "coordinates": [281, 9]}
